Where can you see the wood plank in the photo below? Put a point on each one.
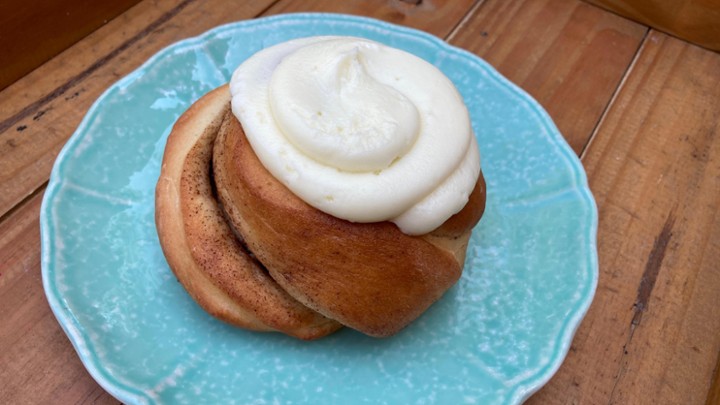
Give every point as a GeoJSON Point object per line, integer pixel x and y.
{"type": "Point", "coordinates": [39, 365]}
{"type": "Point", "coordinates": [651, 335]}
{"type": "Point", "coordinates": [568, 55]}
{"type": "Point", "coordinates": [694, 21]}
{"type": "Point", "coordinates": [40, 112]}
{"type": "Point", "coordinates": [437, 17]}
{"type": "Point", "coordinates": [33, 32]}
{"type": "Point", "coordinates": [70, 66]}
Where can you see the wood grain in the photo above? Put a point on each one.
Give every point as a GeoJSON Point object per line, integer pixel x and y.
{"type": "Point", "coordinates": [40, 112]}
{"type": "Point", "coordinates": [437, 17]}
{"type": "Point", "coordinates": [75, 63]}
{"type": "Point", "coordinates": [696, 21]}
{"type": "Point", "coordinates": [568, 55]}
{"type": "Point", "coordinates": [31, 32]}
{"type": "Point", "coordinates": [36, 350]}
{"type": "Point", "coordinates": [651, 335]}
{"type": "Point", "coordinates": [713, 397]}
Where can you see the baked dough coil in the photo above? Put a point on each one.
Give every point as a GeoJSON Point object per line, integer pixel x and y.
{"type": "Point", "coordinates": [308, 272]}
{"type": "Point", "coordinates": [201, 248]}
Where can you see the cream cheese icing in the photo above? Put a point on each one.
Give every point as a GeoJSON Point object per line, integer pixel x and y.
{"type": "Point", "coordinates": [359, 130]}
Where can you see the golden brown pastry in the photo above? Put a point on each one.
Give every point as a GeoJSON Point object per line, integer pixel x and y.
{"type": "Point", "coordinates": [201, 248]}
{"type": "Point", "coordinates": [370, 277]}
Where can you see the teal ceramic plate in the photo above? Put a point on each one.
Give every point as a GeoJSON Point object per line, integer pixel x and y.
{"type": "Point", "coordinates": [494, 338]}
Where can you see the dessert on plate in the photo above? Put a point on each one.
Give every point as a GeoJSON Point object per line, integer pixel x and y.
{"type": "Point", "coordinates": [333, 182]}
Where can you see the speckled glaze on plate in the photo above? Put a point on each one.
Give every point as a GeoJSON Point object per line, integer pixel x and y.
{"type": "Point", "coordinates": [494, 338]}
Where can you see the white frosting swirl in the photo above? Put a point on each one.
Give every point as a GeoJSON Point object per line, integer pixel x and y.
{"type": "Point", "coordinates": [359, 130]}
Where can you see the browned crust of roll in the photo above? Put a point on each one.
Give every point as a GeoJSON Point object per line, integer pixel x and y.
{"type": "Point", "coordinates": [200, 246]}
{"type": "Point", "coordinates": [370, 277]}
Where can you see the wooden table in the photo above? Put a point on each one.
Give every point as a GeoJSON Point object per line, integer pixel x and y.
{"type": "Point", "coordinates": [641, 108]}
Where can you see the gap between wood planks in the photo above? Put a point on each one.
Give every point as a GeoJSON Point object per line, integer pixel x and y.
{"type": "Point", "coordinates": [4, 217]}
{"type": "Point", "coordinates": [615, 94]}
{"type": "Point", "coordinates": [471, 12]}
{"type": "Point", "coordinates": [60, 90]}
{"type": "Point", "coordinates": [657, 254]}
{"type": "Point", "coordinates": [36, 107]}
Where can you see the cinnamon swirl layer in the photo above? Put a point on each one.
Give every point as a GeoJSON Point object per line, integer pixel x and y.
{"type": "Point", "coordinates": [201, 248]}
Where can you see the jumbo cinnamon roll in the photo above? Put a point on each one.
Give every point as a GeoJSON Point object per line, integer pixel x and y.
{"type": "Point", "coordinates": [348, 170]}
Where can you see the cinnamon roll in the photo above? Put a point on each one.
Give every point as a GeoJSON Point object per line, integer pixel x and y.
{"type": "Point", "coordinates": [335, 183]}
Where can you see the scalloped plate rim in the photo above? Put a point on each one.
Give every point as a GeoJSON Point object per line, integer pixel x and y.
{"type": "Point", "coordinates": [128, 394]}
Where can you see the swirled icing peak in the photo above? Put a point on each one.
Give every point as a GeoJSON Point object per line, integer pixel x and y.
{"type": "Point", "coordinates": [359, 130]}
